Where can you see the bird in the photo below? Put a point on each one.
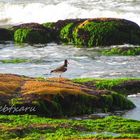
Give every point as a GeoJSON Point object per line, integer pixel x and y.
{"type": "Point", "coordinates": [61, 69]}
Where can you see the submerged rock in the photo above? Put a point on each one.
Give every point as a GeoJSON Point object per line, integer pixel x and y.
{"type": "Point", "coordinates": [56, 96]}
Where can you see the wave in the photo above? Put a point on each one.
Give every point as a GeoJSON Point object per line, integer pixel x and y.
{"type": "Point", "coordinates": [16, 13]}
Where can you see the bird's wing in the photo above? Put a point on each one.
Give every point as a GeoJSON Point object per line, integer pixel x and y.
{"type": "Point", "coordinates": [58, 69]}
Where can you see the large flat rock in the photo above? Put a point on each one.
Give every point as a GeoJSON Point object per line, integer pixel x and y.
{"type": "Point", "coordinates": [56, 96]}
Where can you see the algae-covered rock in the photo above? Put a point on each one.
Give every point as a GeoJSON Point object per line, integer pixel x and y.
{"type": "Point", "coordinates": [57, 96]}
{"type": "Point", "coordinates": [128, 87]}
{"type": "Point", "coordinates": [62, 29]}
{"type": "Point", "coordinates": [125, 86]}
{"type": "Point", "coordinates": [32, 127]}
{"type": "Point", "coordinates": [32, 33]}
{"type": "Point", "coordinates": [28, 36]}
{"type": "Point", "coordinates": [66, 33]}
{"type": "Point", "coordinates": [125, 51]}
{"type": "Point", "coordinates": [95, 32]}
{"type": "Point", "coordinates": [106, 31]}
{"type": "Point", "coordinates": [99, 32]}
{"type": "Point", "coordinates": [78, 32]}
{"type": "Point", "coordinates": [6, 34]}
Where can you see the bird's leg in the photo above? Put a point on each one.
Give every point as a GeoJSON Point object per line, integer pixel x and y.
{"type": "Point", "coordinates": [60, 75]}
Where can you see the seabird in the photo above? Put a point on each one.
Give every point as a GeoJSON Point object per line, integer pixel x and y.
{"type": "Point", "coordinates": [61, 69]}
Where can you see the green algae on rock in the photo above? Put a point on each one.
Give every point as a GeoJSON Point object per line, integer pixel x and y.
{"type": "Point", "coordinates": [29, 36]}
{"type": "Point", "coordinates": [57, 96]}
{"type": "Point", "coordinates": [31, 127]}
{"type": "Point", "coordinates": [78, 32]}
{"type": "Point", "coordinates": [120, 85]}
{"type": "Point", "coordinates": [62, 29]}
{"type": "Point", "coordinates": [32, 33]}
{"type": "Point", "coordinates": [15, 61]}
{"type": "Point", "coordinates": [50, 25]}
{"type": "Point", "coordinates": [105, 32]}
{"type": "Point", "coordinates": [96, 31]}
{"type": "Point", "coordinates": [66, 33]}
{"type": "Point", "coordinates": [125, 51]}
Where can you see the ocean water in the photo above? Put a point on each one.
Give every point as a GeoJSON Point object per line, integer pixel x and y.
{"type": "Point", "coordinates": [134, 113]}
{"type": "Point", "coordinates": [83, 62]}
{"type": "Point", "coordinates": [16, 12]}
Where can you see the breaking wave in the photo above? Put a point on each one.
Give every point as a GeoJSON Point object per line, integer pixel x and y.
{"type": "Point", "coordinates": [22, 12]}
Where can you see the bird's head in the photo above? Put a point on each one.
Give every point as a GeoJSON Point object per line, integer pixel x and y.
{"type": "Point", "coordinates": [66, 62]}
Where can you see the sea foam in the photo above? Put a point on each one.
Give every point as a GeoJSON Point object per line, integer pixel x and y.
{"type": "Point", "coordinates": [16, 13]}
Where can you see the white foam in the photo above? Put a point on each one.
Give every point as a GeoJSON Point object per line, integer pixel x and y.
{"type": "Point", "coordinates": [134, 95]}
{"type": "Point", "coordinates": [15, 13]}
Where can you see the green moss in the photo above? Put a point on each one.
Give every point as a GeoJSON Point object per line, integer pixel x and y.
{"type": "Point", "coordinates": [30, 127]}
{"type": "Point", "coordinates": [66, 33]}
{"type": "Point", "coordinates": [30, 36]}
{"type": "Point", "coordinates": [122, 51]}
{"type": "Point", "coordinates": [16, 101]}
{"type": "Point", "coordinates": [68, 105]}
{"type": "Point", "coordinates": [120, 102]}
{"type": "Point", "coordinates": [104, 83]}
{"type": "Point", "coordinates": [104, 33]}
{"type": "Point", "coordinates": [21, 60]}
{"type": "Point", "coordinates": [50, 25]}
{"type": "Point", "coordinates": [115, 101]}
{"type": "Point", "coordinates": [99, 34]}
{"type": "Point", "coordinates": [121, 85]}
{"type": "Point", "coordinates": [20, 35]}
{"type": "Point", "coordinates": [107, 102]}
{"type": "Point", "coordinates": [15, 61]}
{"type": "Point", "coordinates": [83, 80]}
{"type": "Point", "coordinates": [109, 83]}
